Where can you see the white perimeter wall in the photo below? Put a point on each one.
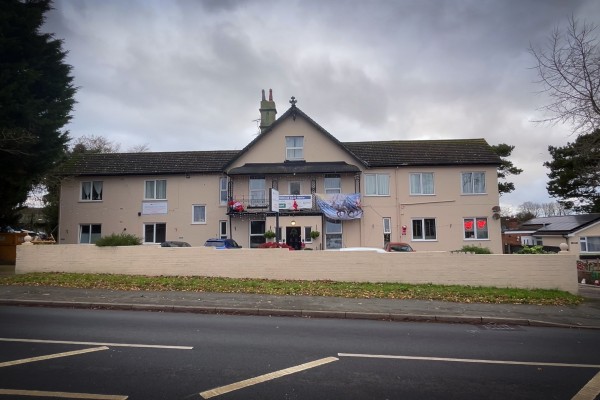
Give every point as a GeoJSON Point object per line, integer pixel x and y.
{"type": "Point", "coordinates": [498, 270]}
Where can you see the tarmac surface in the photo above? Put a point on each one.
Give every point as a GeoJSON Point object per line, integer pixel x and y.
{"type": "Point", "coordinates": [584, 316]}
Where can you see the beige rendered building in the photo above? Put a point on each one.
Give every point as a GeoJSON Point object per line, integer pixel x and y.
{"type": "Point", "coordinates": [432, 194]}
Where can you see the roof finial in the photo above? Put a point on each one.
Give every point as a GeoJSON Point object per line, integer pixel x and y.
{"type": "Point", "coordinates": [263, 95]}
{"type": "Point", "coordinates": [293, 102]}
{"type": "Point", "coordinates": [270, 94]}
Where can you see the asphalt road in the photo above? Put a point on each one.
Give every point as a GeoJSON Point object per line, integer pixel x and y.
{"type": "Point", "coordinates": [100, 354]}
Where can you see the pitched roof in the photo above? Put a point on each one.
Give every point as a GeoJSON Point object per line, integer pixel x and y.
{"type": "Point", "coordinates": [424, 152]}
{"type": "Point", "coordinates": [151, 163]}
{"type": "Point", "coordinates": [293, 112]}
{"type": "Point", "coordinates": [560, 225]}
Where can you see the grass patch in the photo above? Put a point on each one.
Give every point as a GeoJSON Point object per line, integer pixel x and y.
{"type": "Point", "coordinates": [461, 294]}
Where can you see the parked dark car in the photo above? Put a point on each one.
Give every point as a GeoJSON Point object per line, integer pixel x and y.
{"type": "Point", "coordinates": [400, 247]}
{"type": "Point", "coordinates": [173, 243]}
{"type": "Point", "coordinates": [222, 243]}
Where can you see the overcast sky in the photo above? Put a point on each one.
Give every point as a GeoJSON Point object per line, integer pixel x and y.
{"type": "Point", "coordinates": [188, 75]}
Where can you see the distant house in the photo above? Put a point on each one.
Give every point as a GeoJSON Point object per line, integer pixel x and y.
{"type": "Point", "coordinates": [434, 194]}
{"type": "Point", "coordinates": [580, 232]}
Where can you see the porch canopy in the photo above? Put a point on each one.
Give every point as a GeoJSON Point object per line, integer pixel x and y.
{"type": "Point", "coordinates": [294, 167]}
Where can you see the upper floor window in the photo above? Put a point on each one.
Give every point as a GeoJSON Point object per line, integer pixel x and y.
{"type": "Point", "coordinates": [476, 228]}
{"type": "Point", "coordinates": [156, 189]}
{"type": "Point", "coordinates": [423, 229]}
{"type": "Point", "coordinates": [257, 191]}
{"type": "Point", "coordinates": [473, 182]}
{"type": "Point", "coordinates": [294, 147]}
{"type": "Point", "coordinates": [421, 183]}
{"type": "Point", "coordinates": [295, 188]}
{"type": "Point", "coordinates": [590, 244]}
{"type": "Point", "coordinates": [333, 184]}
{"type": "Point", "coordinates": [91, 191]}
{"type": "Point", "coordinates": [377, 185]}
{"type": "Point", "coordinates": [223, 198]}
{"type": "Point", "coordinates": [198, 214]}
{"type": "Point", "coordinates": [89, 233]}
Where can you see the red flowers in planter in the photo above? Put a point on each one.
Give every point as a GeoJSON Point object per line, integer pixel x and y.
{"type": "Point", "coordinates": [235, 205]}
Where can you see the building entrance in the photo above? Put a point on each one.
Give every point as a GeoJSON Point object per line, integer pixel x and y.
{"type": "Point", "coordinates": [293, 237]}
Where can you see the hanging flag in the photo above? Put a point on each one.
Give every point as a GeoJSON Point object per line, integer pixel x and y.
{"type": "Point", "coordinates": [340, 206]}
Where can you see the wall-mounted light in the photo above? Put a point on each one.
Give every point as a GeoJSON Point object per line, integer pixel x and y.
{"type": "Point", "coordinates": [293, 223]}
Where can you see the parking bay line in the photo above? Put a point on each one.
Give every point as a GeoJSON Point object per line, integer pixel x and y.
{"type": "Point", "coordinates": [264, 378]}
{"type": "Point", "coordinates": [51, 356]}
{"type": "Point", "coordinates": [469, 360]}
{"type": "Point", "coordinates": [61, 395]}
{"type": "Point", "coordinates": [151, 346]}
{"type": "Point", "coordinates": [590, 390]}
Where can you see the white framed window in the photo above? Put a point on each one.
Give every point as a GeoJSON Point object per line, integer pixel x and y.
{"type": "Point", "coordinates": [257, 192]}
{"type": "Point", "coordinates": [223, 192]}
{"type": "Point", "coordinates": [473, 182]}
{"type": "Point", "coordinates": [424, 229]}
{"type": "Point", "coordinates": [333, 184]}
{"type": "Point", "coordinates": [387, 225]}
{"type": "Point", "coordinates": [198, 214]}
{"type": "Point", "coordinates": [223, 231]}
{"type": "Point", "coordinates": [307, 231]}
{"type": "Point", "coordinates": [155, 233]}
{"type": "Point", "coordinates": [377, 184]}
{"type": "Point", "coordinates": [333, 234]}
{"type": "Point", "coordinates": [91, 191]}
{"type": "Point", "coordinates": [295, 188]}
{"type": "Point", "coordinates": [89, 233]}
{"type": "Point", "coordinates": [156, 189]}
{"type": "Point", "coordinates": [589, 244]}
{"type": "Point", "coordinates": [257, 233]}
{"type": "Point", "coordinates": [421, 183]}
{"type": "Point", "coordinates": [476, 228]}
{"type": "Point", "coordinates": [294, 147]}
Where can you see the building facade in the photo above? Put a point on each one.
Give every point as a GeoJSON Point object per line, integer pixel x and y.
{"type": "Point", "coordinates": [435, 194]}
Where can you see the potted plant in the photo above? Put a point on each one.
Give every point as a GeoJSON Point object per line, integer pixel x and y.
{"type": "Point", "coordinates": [269, 234]}
{"type": "Point", "coordinates": [314, 234]}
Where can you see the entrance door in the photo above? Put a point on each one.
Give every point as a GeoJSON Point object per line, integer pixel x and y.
{"type": "Point", "coordinates": [293, 237]}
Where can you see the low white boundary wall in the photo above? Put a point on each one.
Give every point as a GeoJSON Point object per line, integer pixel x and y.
{"type": "Point", "coordinates": [498, 270]}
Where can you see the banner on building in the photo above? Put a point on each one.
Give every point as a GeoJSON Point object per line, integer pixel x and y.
{"type": "Point", "coordinates": [340, 206]}
{"type": "Point", "coordinates": [295, 202]}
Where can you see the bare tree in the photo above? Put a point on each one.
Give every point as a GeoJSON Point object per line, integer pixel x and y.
{"type": "Point", "coordinates": [530, 207]}
{"type": "Point", "coordinates": [569, 70]}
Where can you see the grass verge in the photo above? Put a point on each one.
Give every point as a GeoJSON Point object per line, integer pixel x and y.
{"type": "Point", "coordinates": [461, 294]}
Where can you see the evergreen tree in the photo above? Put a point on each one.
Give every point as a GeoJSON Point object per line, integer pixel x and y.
{"type": "Point", "coordinates": [506, 168]}
{"type": "Point", "coordinates": [575, 173]}
{"type": "Point", "coordinates": [36, 100]}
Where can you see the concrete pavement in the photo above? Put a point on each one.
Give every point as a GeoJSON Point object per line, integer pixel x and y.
{"type": "Point", "coordinates": [586, 315]}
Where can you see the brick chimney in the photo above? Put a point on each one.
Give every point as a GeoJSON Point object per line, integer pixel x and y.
{"type": "Point", "coordinates": [267, 111]}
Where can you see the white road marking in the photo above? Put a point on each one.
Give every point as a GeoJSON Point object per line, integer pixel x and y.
{"type": "Point", "coordinates": [264, 378]}
{"type": "Point", "coordinates": [590, 391]}
{"type": "Point", "coordinates": [468, 360]}
{"type": "Point", "coordinates": [62, 395]}
{"type": "Point", "coordinates": [152, 346]}
{"type": "Point", "coordinates": [51, 356]}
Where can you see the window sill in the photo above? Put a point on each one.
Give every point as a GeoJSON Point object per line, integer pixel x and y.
{"type": "Point", "coordinates": [477, 240]}
{"type": "Point", "coordinates": [473, 194]}
{"type": "Point", "coordinates": [198, 223]}
{"type": "Point", "coordinates": [90, 201]}
{"type": "Point", "coordinates": [377, 195]}
{"type": "Point", "coordinates": [422, 194]}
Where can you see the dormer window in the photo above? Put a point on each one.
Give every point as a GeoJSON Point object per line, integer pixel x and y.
{"type": "Point", "coordinates": [294, 148]}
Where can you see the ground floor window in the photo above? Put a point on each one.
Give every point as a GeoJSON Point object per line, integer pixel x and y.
{"type": "Point", "coordinates": [307, 237]}
{"type": "Point", "coordinates": [476, 228]}
{"type": "Point", "coordinates": [257, 233]}
{"type": "Point", "coordinates": [89, 233]}
{"type": "Point", "coordinates": [155, 233]}
{"type": "Point", "coordinates": [590, 244]}
{"type": "Point", "coordinates": [333, 234]}
{"type": "Point", "coordinates": [423, 229]}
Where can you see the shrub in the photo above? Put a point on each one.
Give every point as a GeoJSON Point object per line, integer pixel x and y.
{"type": "Point", "coordinates": [474, 250]}
{"type": "Point", "coordinates": [269, 234]}
{"type": "Point", "coordinates": [315, 234]}
{"type": "Point", "coordinates": [533, 250]}
{"type": "Point", "coordinates": [119, 239]}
